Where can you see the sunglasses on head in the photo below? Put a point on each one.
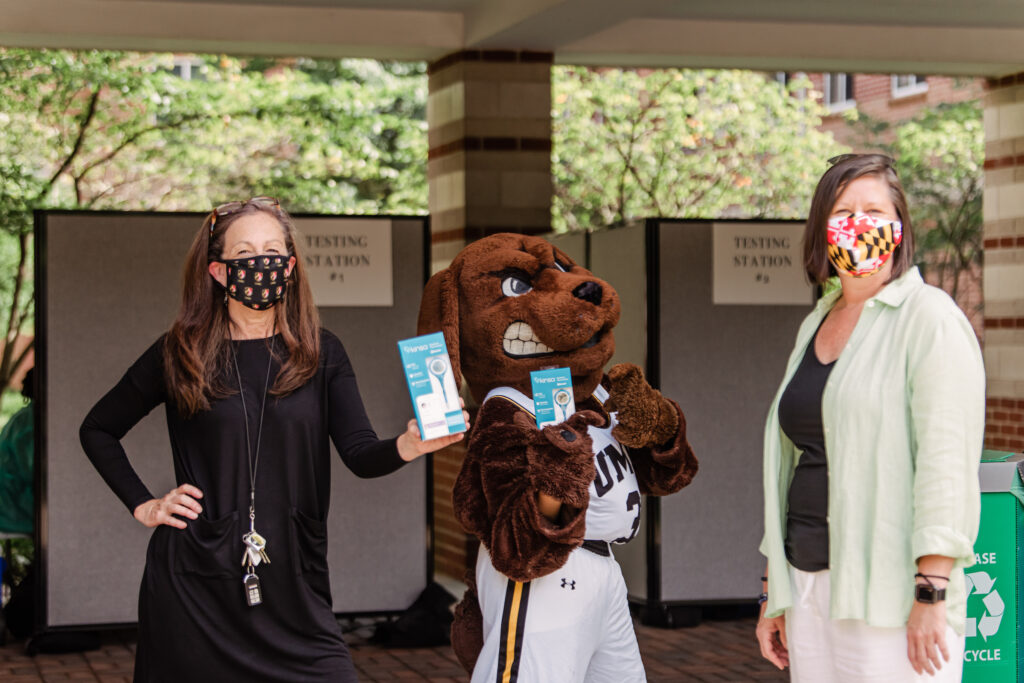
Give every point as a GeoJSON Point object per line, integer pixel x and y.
{"type": "Point", "coordinates": [887, 160]}
{"type": "Point", "coordinates": [235, 207]}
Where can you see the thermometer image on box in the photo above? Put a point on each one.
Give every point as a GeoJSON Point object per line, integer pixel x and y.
{"type": "Point", "coordinates": [563, 399]}
{"type": "Point", "coordinates": [442, 383]}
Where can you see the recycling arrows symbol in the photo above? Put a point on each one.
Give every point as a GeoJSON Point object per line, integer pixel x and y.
{"type": "Point", "coordinates": [982, 584]}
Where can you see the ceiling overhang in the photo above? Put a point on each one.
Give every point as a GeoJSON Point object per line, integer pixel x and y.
{"type": "Point", "coordinates": [982, 38]}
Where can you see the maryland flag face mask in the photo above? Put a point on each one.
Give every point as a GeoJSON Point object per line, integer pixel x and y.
{"type": "Point", "coordinates": [861, 244]}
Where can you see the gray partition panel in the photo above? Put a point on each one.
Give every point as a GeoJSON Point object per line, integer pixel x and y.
{"type": "Point", "coordinates": [617, 256]}
{"type": "Point", "coordinates": [378, 543]}
{"type": "Point", "coordinates": [723, 364]}
{"type": "Point", "coordinates": [111, 288]}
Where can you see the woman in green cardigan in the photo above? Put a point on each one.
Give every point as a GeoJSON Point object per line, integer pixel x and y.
{"type": "Point", "coordinates": [871, 453]}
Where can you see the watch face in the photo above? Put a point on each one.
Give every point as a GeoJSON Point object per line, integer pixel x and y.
{"type": "Point", "coordinates": [927, 594]}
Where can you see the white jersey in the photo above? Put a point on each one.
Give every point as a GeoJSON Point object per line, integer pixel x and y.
{"type": "Point", "coordinates": [613, 514]}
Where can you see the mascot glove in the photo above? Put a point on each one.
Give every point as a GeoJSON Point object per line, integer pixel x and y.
{"type": "Point", "coordinates": [569, 437]}
{"type": "Point", "coordinates": [646, 418]}
{"type": "Point", "coordinates": [560, 462]}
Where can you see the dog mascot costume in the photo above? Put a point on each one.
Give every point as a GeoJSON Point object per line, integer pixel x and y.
{"type": "Point", "coordinates": [549, 602]}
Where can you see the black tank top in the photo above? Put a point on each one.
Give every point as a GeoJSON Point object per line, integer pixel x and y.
{"type": "Point", "coordinates": [800, 418]}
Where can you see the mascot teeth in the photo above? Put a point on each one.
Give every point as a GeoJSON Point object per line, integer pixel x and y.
{"type": "Point", "coordinates": [520, 340]}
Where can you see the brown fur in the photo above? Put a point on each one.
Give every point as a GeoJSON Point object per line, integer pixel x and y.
{"type": "Point", "coordinates": [468, 640]}
{"type": "Point", "coordinates": [645, 417]}
{"type": "Point", "coordinates": [508, 460]}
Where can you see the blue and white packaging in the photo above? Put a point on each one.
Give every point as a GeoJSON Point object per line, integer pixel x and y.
{"type": "Point", "coordinates": [428, 372]}
{"type": "Point", "coordinates": [552, 396]}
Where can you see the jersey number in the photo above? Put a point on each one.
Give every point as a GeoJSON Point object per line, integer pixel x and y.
{"type": "Point", "coordinates": [632, 501]}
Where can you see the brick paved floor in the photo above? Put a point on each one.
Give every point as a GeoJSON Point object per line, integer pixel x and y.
{"type": "Point", "coordinates": [714, 651]}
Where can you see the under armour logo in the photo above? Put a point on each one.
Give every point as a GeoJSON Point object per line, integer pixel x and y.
{"type": "Point", "coordinates": [566, 583]}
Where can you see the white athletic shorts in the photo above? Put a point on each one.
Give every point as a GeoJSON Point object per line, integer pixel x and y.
{"type": "Point", "coordinates": [571, 626]}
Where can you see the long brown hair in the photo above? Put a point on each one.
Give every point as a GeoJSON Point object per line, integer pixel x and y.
{"type": "Point", "coordinates": [197, 347]}
{"type": "Point", "coordinates": [831, 185]}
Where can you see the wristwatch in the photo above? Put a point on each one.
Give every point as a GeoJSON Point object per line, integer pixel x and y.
{"type": "Point", "coordinates": [928, 594]}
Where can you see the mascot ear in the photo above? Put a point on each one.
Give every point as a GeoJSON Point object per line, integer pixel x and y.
{"type": "Point", "coordinates": [439, 312]}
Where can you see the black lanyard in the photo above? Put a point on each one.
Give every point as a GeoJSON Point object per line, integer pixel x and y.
{"type": "Point", "coordinates": [252, 458]}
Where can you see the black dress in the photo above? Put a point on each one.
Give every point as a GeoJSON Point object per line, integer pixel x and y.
{"type": "Point", "coordinates": [194, 623]}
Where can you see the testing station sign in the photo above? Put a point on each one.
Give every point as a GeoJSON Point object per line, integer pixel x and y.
{"type": "Point", "coordinates": [759, 264]}
{"type": "Point", "coordinates": [348, 261]}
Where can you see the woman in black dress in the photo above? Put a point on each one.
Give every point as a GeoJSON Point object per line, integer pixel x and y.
{"type": "Point", "coordinates": [236, 585]}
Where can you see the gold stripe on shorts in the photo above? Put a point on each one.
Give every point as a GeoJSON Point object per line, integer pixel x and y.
{"type": "Point", "coordinates": [513, 624]}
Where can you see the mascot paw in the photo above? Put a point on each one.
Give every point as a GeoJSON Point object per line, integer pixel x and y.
{"type": "Point", "coordinates": [560, 463]}
{"type": "Point", "coordinates": [646, 418]}
{"type": "Point", "coordinates": [571, 436]}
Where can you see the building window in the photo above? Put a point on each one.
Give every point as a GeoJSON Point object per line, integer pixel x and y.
{"type": "Point", "coordinates": [189, 68]}
{"type": "Point", "coordinates": [839, 91]}
{"type": "Point", "coordinates": [908, 84]}
{"type": "Point", "coordinates": [785, 79]}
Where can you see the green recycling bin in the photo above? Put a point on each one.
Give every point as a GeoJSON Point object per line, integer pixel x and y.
{"type": "Point", "coordinates": [995, 595]}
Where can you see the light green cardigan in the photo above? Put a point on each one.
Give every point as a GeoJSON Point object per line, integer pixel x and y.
{"type": "Point", "coordinates": [904, 414]}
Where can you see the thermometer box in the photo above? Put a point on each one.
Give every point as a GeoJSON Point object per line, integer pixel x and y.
{"type": "Point", "coordinates": [552, 396]}
{"type": "Point", "coordinates": [428, 372]}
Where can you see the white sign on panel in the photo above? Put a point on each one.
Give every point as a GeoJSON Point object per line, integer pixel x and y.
{"type": "Point", "coordinates": [759, 264]}
{"type": "Point", "coordinates": [348, 261]}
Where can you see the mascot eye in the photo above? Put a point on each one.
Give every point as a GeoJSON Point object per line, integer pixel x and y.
{"type": "Point", "coordinates": [514, 286]}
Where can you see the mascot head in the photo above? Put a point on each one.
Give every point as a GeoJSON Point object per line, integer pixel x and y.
{"type": "Point", "coordinates": [511, 304]}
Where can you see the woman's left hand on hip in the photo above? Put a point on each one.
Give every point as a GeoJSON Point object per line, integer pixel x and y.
{"type": "Point", "coordinates": [926, 637]}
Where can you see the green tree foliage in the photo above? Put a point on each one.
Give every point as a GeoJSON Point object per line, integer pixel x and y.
{"type": "Point", "coordinates": [356, 139]}
{"type": "Point", "coordinates": [940, 156]}
{"type": "Point", "coordinates": [121, 130]}
{"type": "Point", "coordinates": [116, 130]}
{"type": "Point", "coordinates": [682, 143]}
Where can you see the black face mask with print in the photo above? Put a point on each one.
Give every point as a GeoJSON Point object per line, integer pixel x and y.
{"type": "Point", "coordinates": [257, 282]}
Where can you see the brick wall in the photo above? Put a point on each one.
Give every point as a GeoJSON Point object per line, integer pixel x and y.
{"type": "Point", "coordinates": [873, 95]}
{"type": "Point", "coordinates": [489, 170]}
{"type": "Point", "coordinates": [1004, 262]}
{"type": "Point", "coordinates": [1004, 424]}
{"type": "Point", "coordinates": [489, 138]}
{"type": "Point", "coordinates": [454, 550]}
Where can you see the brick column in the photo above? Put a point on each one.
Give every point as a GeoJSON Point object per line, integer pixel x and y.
{"type": "Point", "coordinates": [489, 170]}
{"type": "Point", "coordinates": [1004, 262]}
{"type": "Point", "coordinates": [489, 167]}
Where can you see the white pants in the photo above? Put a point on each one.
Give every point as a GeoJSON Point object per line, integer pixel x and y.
{"type": "Point", "coordinates": [571, 626]}
{"type": "Point", "coordinates": [824, 650]}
